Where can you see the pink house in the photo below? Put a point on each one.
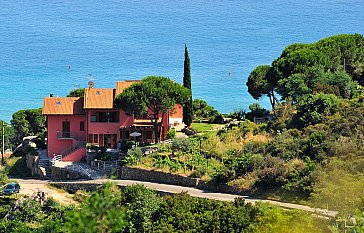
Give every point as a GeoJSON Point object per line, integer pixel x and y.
{"type": "Point", "coordinates": [74, 121]}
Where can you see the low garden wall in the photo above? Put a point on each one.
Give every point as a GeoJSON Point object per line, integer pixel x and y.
{"type": "Point", "coordinates": [59, 173]}
{"type": "Point", "coordinates": [129, 173]}
{"type": "Point", "coordinates": [218, 188]}
{"type": "Point", "coordinates": [72, 187]}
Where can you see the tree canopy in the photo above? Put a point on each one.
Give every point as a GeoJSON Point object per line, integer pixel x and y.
{"type": "Point", "coordinates": [187, 108]}
{"type": "Point", "coordinates": [333, 65]}
{"type": "Point", "coordinates": [28, 122]}
{"type": "Point", "coordinates": [76, 92]}
{"type": "Point", "coordinates": [262, 81]}
{"type": "Point", "coordinates": [153, 97]}
{"type": "Point", "coordinates": [202, 110]}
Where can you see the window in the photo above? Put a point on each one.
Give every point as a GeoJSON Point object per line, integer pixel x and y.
{"type": "Point", "coordinates": [66, 129]}
{"type": "Point", "coordinates": [110, 141]}
{"type": "Point", "coordinates": [105, 117]}
{"type": "Point", "coordinates": [90, 138]}
{"type": "Point", "coordinates": [96, 138]}
{"type": "Point", "coordinates": [82, 126]}
{"type": "Point", "coordinates": [149, 134]}
{"type": "Point", "coordinates": [101, 139]}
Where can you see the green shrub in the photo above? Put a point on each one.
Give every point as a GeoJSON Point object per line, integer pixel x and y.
{"type": "Point", "coordinates": [256, 111]}
{"type": "Point", "coordinates": [216, 119]}
{"type": "Point", "coordinates": [103, 156]}
{"type": "Point", "coordinates": [126, 145]}
{"type": "Point", "coordinates": [182, 144]}
{"type": "Point", "coordinates": [134, 156]}
{"type": "Point", "coordinates": [311, 109]}
{"type": "Point", "coordinates": [238, 114]}
{"type": "Point", "coordinates": [223, 175]}
{"type": "Point", "coordinates": [339, 185]}
{"type": "Point", "coordinates": [142, 204]}
{"type": "Point", "coordinates": [200, 172]}
{"type": "Point", "coordinates": [171, 133]}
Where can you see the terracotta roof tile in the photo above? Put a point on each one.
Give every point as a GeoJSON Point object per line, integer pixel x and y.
{"type": "Point", "coordinates": [121, 85]}
{"type": "Point", "coordinates": [63, 106]}
{"type": "Point", "coordinates": [177, 112]}
{"type": "Point", "coordinates": [99, 98]}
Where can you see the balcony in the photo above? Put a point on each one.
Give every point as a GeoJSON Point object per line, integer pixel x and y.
{"type": "Point", "coordinates": [104, 117]}
{"type": "Point", "coordinates": [65, 135]}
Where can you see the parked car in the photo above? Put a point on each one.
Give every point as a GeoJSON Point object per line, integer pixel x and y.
{"type": "Point", "coordinates": [11, 188]}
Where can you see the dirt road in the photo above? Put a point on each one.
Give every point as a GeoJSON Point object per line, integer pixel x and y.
{"type": "Point", "coordinates": [30, 186]}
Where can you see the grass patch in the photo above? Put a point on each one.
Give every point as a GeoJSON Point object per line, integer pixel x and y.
{"type": "Point", "coordinates": [278, 194]}
{"type": "Point", "coordinates": [202, 127]}
{"type": "Point", "coordinates": [81, 195]}
{"type": "Point", "coordinates": [17, 167]}
{"type": "Point", "coordinates": [50, 186]}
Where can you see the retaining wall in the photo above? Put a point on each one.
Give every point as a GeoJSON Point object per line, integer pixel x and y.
{"type": "Point", "coordinates": [73, 187]}
{"type": "Point", "coordinates": [59, 173]}
{"type": "Point", "coordinates": [129, 173]}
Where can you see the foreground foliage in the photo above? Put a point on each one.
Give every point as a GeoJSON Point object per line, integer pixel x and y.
{"type": "Point", "coordinates": [137, 209]}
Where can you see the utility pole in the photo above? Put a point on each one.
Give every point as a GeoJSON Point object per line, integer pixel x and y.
{"type": "Point", "coordinates": [3, 144]}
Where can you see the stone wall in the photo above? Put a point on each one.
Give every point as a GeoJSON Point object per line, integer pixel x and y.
{"type": "Point", "coordinates": [128, 173]}
{"type": "Point", "coordinates": [219, 188]}
{"type": "Point", "coordinates": [59, 173]}
{"type": "Point", "coordinates": [72, 187]}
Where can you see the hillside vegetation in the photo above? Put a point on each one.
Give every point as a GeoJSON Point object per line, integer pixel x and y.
{"type": "Point", "coordinates": [312, 149]}
{"type": "Point", "coordinates": [307, 149]}
{"type": "Point", "coordinates": [137, 209]}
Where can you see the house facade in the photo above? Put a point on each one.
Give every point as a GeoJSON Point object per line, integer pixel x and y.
{"type": "Point", "coordinates": [75, 121]}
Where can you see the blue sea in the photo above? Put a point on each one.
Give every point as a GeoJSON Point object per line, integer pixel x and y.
{"type": "Point", "coordinates": [54, 46]}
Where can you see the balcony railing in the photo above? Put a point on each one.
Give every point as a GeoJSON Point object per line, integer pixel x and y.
{"type": "Point", "coordinates": [80, 136]}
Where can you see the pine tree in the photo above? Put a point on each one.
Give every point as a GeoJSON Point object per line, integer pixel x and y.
{"type": "Point", "coordinates": [187, 108]}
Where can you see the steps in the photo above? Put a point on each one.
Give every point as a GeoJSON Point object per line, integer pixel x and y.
{"type": "Point", "coordinates": [82, 169]}
{"type": "Point", "coordinates": [43, 165]}
{"type": "Point", "coordinates": [94, 174]}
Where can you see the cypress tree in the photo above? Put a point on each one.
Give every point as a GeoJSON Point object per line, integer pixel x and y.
{"type": "Point", "coordinates": [187, 108]}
